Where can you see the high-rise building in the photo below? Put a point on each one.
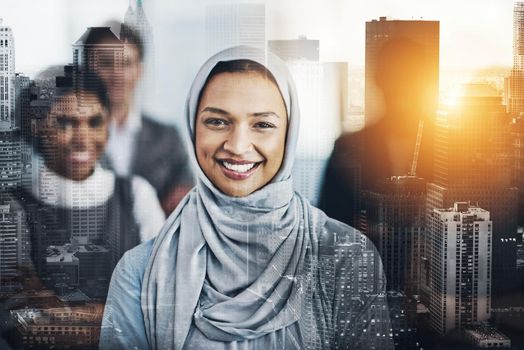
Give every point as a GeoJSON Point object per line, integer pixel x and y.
{"type": "Point", "coordinates": [515, 82]}
{"type": "Point", "coordinates": [472, 163]}
{"type": "Point", "coordinates": [322, 89]}
{"type": "Point", "coordinates": [461, 242]}
{"type": "Point", "coordinates": [395, 223]}
{"type": "Point", "coordinates": [9, 224]}
{"type": "Point", "coordinates": [292, 50]}
{"type": "Point", "coordinates": [22, 93]}
{"type": "Point", "coordinates": [471, 143]}
{"type": "Point", "coordinates": [235, 24]}
{"type": "Point", "coordinates": [517, 150]}
{"type": "Point", "coordinates": [23, 87]}
{"type": "Point", "coordinates": [7, 78]}
{"type": "Point", "coordinates": [363, 283]}
{"type": "Point", "coordinates": [136, 19]}
{"type": "Point", "coordinates": [10, 163]}
{"type": "Point", "coordinates": [400, 55]}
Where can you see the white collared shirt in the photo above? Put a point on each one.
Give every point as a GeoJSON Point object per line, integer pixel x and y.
{"type": "Point", "coordinates": [120, 146]}
{"type": "Point", "coordinates": [55, 190]}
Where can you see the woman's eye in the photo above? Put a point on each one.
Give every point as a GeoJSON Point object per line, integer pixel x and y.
{"type": "Point", "coordinates": [215, 122]}
{"type": "Point", "coordinates": [264, 125]}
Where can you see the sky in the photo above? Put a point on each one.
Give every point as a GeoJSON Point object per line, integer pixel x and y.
{"type": "Point", "coordinates": [474, 33]}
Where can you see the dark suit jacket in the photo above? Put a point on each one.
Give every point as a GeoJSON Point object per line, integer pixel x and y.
{"type": "Point", "coordinates": [358, 161]}
{"type": "Point", "coordinates": [160, 157]}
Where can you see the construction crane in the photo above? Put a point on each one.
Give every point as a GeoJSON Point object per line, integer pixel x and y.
{"type": "Point", "coordinates": [413, 170]}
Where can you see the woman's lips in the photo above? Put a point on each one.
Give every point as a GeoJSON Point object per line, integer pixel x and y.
{"type": "Point", "coordinates": [238, 170]}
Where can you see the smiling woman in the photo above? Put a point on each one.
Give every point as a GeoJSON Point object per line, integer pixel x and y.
{"type": "Point", "coordinates": [245, 262]}
{"type": "Point", "coordinates": [240, 146]}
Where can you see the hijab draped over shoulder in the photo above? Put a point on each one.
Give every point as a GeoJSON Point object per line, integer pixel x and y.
{"type": "Point", "coordinates": [235, 268]}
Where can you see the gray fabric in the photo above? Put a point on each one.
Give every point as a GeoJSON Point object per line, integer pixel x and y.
{"type": "Point", "coordinates": [240, 262]}
{"type": "Point", "coordinates": [344, 304]}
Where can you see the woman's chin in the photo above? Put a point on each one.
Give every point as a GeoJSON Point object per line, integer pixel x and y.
{"type": "Point", "coordinates": [240, 188]}
{"type": "Point", "coordinates": [238, 192]}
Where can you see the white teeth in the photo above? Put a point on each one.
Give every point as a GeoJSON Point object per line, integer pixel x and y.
{"type": "Point", "coordinates": [81, 156]}
{"type": "Point", "coordinates": [239, 168]}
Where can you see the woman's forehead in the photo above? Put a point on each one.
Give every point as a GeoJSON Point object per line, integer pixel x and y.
{"type": "Point", "coordinates": [251, 90]}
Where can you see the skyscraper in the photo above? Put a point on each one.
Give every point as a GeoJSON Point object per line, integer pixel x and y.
{"type": "Point", "coordinates": [515, 86]}
{"type": "Point", "coordinates": [400, 54]}
{"type": "Point", "coordinates": [363, 283]}
{"type": "Point", "coordinates": [517, 151]}
{"type": "Point", "coordinates": [395, 223]}
{"type": "Point", "coordinates": [23, 123]}
{"type": "Point", "coordinates": [471, 143]}
{"type": "Point", "coordinates": [7, 78]}
{"type": "Point", "coordinates": [22, 83]}
{"type": "Point", "coordinates": [322, 88]}
{"type": "Point", "coordinates": [292, 50]}
{"type": "Point", "coordinates": [235, 24]}
{"type": "Point", "coordinates": [10, 224]}
{"type": "Point", "coordinates": [136, 19]}
{"type": "Point", "coordinates": [10, 163]}
{"type": "Point", "coordinates": [461, 239]}
{"type": "Point", "coordinates": [472, 163]}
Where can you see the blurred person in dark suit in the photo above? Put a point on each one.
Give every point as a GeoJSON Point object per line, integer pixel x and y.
{"type": "Point", "coordinates": [404, 101]}
{"type": "Point", "coordinates": [138, 144]}
{"type": "Point", "coordinates": [386, 146]}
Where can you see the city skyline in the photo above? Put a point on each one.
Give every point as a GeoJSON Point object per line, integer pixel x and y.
{"type": "Point", "coordinates": [472, 37]}
{"type": "Point", "coordinates": [471, 146]}
{"type": "Point", "coordinates": [487, 25]}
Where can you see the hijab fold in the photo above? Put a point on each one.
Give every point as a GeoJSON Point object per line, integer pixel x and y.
{"type": "Point", "coordinates": [235, 268]}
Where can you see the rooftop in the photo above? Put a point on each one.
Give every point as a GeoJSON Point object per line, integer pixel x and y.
{"type": "Point", "coordinates": [98, 36]}
{"type": "Point", "coordinates": [486, 333]}
{"type": "Point", "coordinates": [68, 252]}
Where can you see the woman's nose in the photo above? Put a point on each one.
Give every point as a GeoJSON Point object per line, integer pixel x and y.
{"type": "Point", "coordinates": [238, 141]}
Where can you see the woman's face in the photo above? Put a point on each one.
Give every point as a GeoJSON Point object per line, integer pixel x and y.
{"type": "Point", "coordinates": [75, 135]}
{"type": "Point", "coordinates": [241, 126]}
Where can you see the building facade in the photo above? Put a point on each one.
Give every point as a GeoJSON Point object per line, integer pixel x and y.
{"type": "Point", "coordinates": [515, 82]}
{"type": "Point", "coordinates": [233, 24]}
{"type": "Point", "coordinates": [399, 55]}
{"type": "Point", "coordinates": [461, 244]}
{"type": "Point", "coordinates": [7, 78]}
{"type": "Point", "coordinates": [396, 223]}
{"type": "Point", "coordinates": [473, 163]}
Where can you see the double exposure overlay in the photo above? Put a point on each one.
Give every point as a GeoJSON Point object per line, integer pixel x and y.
{"type": "Point", "coordinates": [417, 163]}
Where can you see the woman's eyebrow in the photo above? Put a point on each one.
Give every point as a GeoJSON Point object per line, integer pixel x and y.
{"type": "Point", "coordinates": [215, 110]}
{"type": "Point", "coordinates": [265, 114]}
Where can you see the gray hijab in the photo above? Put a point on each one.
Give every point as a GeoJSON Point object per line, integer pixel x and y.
{"type": "Point", "coordinates": [232, 267]}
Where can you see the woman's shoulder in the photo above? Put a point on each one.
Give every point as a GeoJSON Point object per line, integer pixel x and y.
{"type": "Point", "coordinates": [337, 228]}
{"type": "Point", "coordinates": [336, 233]}
{"type": "Point", "coordinates": [131, 267]}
